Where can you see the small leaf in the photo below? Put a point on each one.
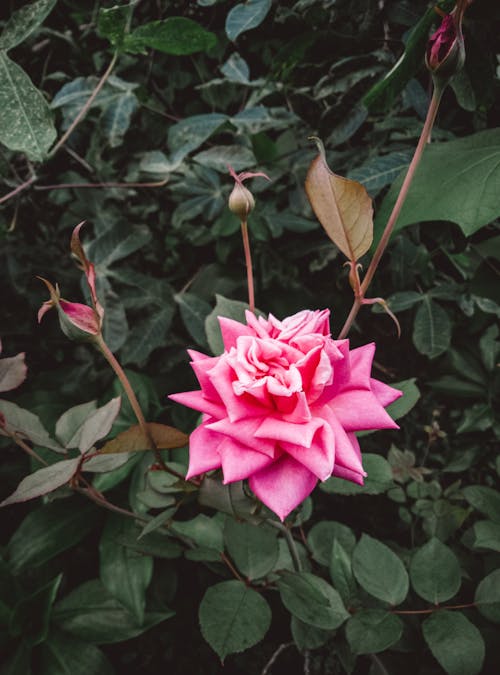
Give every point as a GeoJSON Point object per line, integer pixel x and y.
{"type": "Point", "coordinates": [116, 119]}
{"type": "Point", "coordinates": [306, 636]}
{"type": "Point", "coordinates": [43, 481]}
{"type": "Point", "coordinates": [69, 425]}
{"type": "Point", "coordinates": [236, 69]}
{"type": "Point", "coordinates": [24, 21]}
{"type": "Point", "coordinates": [194, 311]}
{"type": "Point", "coordinates": [371, 631]}
{"type": "Point", "coordinates": [378, 480]}
{"type": "Point", "coordinates": [133, 439]}
{"type": "Point", "coordinates": [190, 133]}
{"type": "Point", "coordinates": [312, 600]}
{"type": "Point", "coordinates": [435, 572]}
{"type": "Point", "coordinates": [203, 531]}
{"type": "Point", "coordinates": [26, 122]}
{"type": "Point", "coordinates": [98, 425]}
{"type": "Point", "coordinates": [105, 463]}
{"type": "Point", "coordinates": [455, 642]}
{"type": "Point", "coordinates": [486, 535]}
{"type": "Point", "coordinates": [176, 35]}
{"type": "Point", "coordinates": [147, 336]}
{"type": "Point", "coordinates": [403, 405]}
{"type": "Point", "coordinates": [484, 499]}
{"type": "Point", "coordinates": [380, 571]}
{"type": "Point", "coordinates": [219, 156]}
{"type": "Point", "coordinates": [246, 16]}
{"type": "Point", "coordinates": [342, 206]}
{"type": "Point", "coordinates": [323, 535]}
{"type": "Point", "coordinates": [380, 171]}
{"type": "Point", "coordinates": [253, 548]}
{"type": "Point", "coordinates": [233, 617]}
{"type": "Point", "coordinates": [12, 371]}
{"type": "Point", "coordinates": [112, 23]}
{"type": "Point", "coordinates": [432, 329]}
{"type": "Point", "coordinates": [232, 309]}
{"type": "Point", "coordinates": [487, 596]}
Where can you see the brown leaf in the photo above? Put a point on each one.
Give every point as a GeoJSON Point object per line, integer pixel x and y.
{"type": "Point", "coordinates": [342, 206]}
{"type": "Point", "coordinates": [133, 439]}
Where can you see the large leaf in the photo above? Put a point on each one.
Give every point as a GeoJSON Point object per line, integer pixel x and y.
{"type": "Point", "coordinates": [190, 133]}
{"type": "Point", "coordinates": [378, 480]}
{"type": "Point", "coordinates": [28, 425]}
{"type": "Point", "coordinates": [233, 617]}
{"type": "Point", "coordinates": [342, 206]}
{"type": "Point", "coordinates": [232, 309]}
{"type": "Point", "coordinates": [69, 425]}
{"type": "Point", "coordinates": [43, 481]}
{"type": "Point", "coordinates": [32, 613]}
{"type": "Point", "coordinates": [246, 16]}
{"type": "Point", "coordinates": [254, 549]}
{"type": "Point", "coordinates": [456, 181]}
{"type": "Point", "coordinates": [312, 600]}
{"type": "Point", "coordinates": [435, 572]}
{"type": "Point", "coordinates": [92, 614]}
{"type": "Point", "coordinates": [23, 22]}
{"type": "Point", "coordinates": [133, 439]}
{"type": "Point", "coordinates": [484, 499]}
{"type": "Point", "coordinates": [98, 424]}
{"type": "Point", "coordinates": [176, 35]}
{"type": "Point", "coordinates": [380, 171]}
{"type": "Point", "coordinates": [26, 122]}
{"type": "Point", "coordinates": [148, 335]}
{"type": "Point", "coordinates": [373, 630]}
{"type": "Point", "coordinates": [125, 572]}
{"type": "Point", "coordinates": [380, 571]}
{"type": "Point", "coordinates": [455, 642]}
{"type": "Point", "coordinates": [48, 531]}
{"type": "Point", "coordinates": [194, 311]}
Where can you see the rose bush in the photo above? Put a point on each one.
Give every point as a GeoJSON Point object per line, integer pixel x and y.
{"type": "Point", "coordinates": [281, 407]}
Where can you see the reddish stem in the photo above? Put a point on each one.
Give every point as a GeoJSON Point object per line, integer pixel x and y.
{"type": "Point", "coordinates": [248, 263]}
{"type": "Point", "coordinates": [61, 186]}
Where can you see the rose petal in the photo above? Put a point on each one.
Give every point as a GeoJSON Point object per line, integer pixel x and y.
{"type": "Point", "coordinates": [231, 330]}
{"type": "Point", "coordinates": [240, 461]}
{"type": "Point", "coordinates": [203, 455]}
{"type": "Point", "coordinates": [347, 452]}
{"type": "Point", "coordinates": [283, 485]}
{"type": "Point", "coordinates": [385, 394]}
{"type": "Point", "coordinates": [359, 410]}
{"type": "Point", "coordinates": [244, 432]}
{"type": "Point", "coordinates": [319, 458]}
{"type": "Point", "coordinates": [196, 400]}
{"type": "Point", "coordinates": [361, 366]}
{"type": "Point", "coordinates": [280, 430]}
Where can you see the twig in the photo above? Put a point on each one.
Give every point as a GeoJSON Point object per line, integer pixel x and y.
{"type": "Point", "coordinates": [24, 446]}
{"type": "Point", "coordinates": [430, 610]}
{"type": "Point", "coordinates": [64, 186]}
{"type": "Point", "coordinates": [85, 107]}
{"type": "Point", "coordinates": [267, 668]}
{"type": "Point", "coordinates": [18, 189]}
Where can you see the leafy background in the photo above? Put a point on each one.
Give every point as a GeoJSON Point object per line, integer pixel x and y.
{"type": "Point", "coordinates": [246, 85]}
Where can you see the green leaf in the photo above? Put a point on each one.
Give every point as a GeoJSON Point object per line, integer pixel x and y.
{"type": "Point", "coordinates": [322, 536]}
{"type": "Point", "coordinates": [147, 336]}
{"type": "Point", "coordinates": [62, 654]}
{"type": "Point", "coordinates": [236, 69]}
{"type": "Point", "coordinates": [312, 600]}
{"type": "Point", "coordinates": [380, 571]}
{"type": "Point", "coordinates": [24, 422]}
{"type": "Point", "coordinates": [124, 572]}
{"type": "Point", "coordinates": [202, 531]}
{"type": "Point", "coordinates": [246, 16]}
{"type": "Point", "coordinates": [190, 133]}
{"type": "Point", "coordinates": [98, 424]}
{"type": "Point", "coordinates": [484, 499]}
{"type": "Point", "coordinates": [26, 123]}
{"type": "Point", "coordinates": [306, 636]}
{"type": "Point", "coordinates": [232, 309]}
{"type": "Point", "coordinates": [48, 531]}
{"type": "Point", "coordinates": [455, 642]}
{"type": "Point", "coordinates": [400, 301]}
{"type": "Point", "coordinates": [378, 481]}
{"type": "Point", "coordinates": [117, 243]}
{"type": "Point", "coordinates": [478, 417]}
{"type": "Point", "coordinates": [116, 119]}
{"type": "Point", "coordinates": [340, 568]}
{"type": "Point", "coordinates": [486, 535]}
{"type": "Point", "coordinates": [487, 596]}
{"type": "Point", "coordinates": [403, 405]}
{"type": "Point", "coordinates": [253, 548]}
{"type": "Point", "coordinates": [432, 329]}
{"type": "Point", "coordinates": [31, 615]}
{"type": "Point", "coordinates": [43, 481]}
{"type": "Point", "coordinates": [19, 663]}
{"type": "Point", "coordinates": [466, 196]}
{"type": "Point", "coordinates": [24, 21]}
{"type": "Point", "coordinates": [380, 171]}
{"type": "Point", "coordinates": [233, 617]}
{"type": "Point", "coordinates": [382, 95]}
{"type": "Point", "coordinates": [194, 311]}
{"type": "Point", "coordinates": [69, 425]}
{"type": "Point", "coordinates": [219, 156]}
{"type": "Point", "coordinates": [371, 631]}
{"type": "Point", "coordinates": [92, 614]}
{"type": "Point", "coordinates": [176, 35]}
{"type": "Point", "coordinates": [435, 572]}
{"type": "Point", "coordinates": [112, 23]}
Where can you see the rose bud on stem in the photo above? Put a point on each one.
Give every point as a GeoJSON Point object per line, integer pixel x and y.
{"type": "Point", "coordinates": [241, 203]}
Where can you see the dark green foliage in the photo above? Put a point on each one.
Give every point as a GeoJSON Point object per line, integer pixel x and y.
{"type": "Point", "coordinates": [194, 87]}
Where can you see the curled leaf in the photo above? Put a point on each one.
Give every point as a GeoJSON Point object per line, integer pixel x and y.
{"type": "Point", "coordinates": [342, 206]}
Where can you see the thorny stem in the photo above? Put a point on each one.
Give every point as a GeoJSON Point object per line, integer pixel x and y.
{"type": "Point", "coordinates": [86, 107]}
{"type": "Point", "coordinates": [120, 373]}
{"type": "Point", "coordinates": [382, 245]}
{"type": "Point", "coordinates": [248, 263]}
{"type": "Point", "coordinates": [297, 565]}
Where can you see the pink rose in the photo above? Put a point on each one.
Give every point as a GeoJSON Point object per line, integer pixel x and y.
{"type": "Point", "coordinates": [281, 405]}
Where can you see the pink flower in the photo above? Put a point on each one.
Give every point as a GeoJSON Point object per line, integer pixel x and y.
{"type": "Point", "coordinates": [281, 407]}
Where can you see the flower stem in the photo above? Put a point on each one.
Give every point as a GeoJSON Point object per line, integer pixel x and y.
{"type": "Point", "coordinates": [297, 564]}
{"type": "Point", "coordinates": [248, 263]}
{"type": "Point", "coordinates": [18, 189]}
{"type": "Point", "coordinates": [384, 240]}
{"type": "Point", "coordinates": [120, 373]}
